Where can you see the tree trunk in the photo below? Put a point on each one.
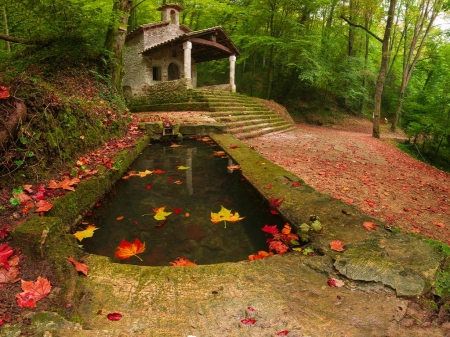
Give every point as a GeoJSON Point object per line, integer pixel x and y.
{"type": "Point", "coordinates": [383, 68]}
{"type": "Point", "coordinates": [5, 24]}
{"type": "Point", "coordinates": [115, 40]}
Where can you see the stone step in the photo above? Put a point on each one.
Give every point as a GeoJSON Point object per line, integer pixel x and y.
{"type": "Point", "coordinates": [253, 121]}
{"type": "Point", "coordinates": [216, 114]}
{"type": "Point", "coordinates": [237, 108]}
{"type": "Point", "coordinates": [250, 127]}
{"type": "Point", "coordinates": [263, 131]}
{"type": "Point", "coordinates": [243, 117]}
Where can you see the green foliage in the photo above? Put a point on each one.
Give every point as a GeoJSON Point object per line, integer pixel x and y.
{"type": "Point", "coordinates": [442, 284]}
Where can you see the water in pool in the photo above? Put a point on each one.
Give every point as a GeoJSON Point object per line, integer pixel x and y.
{"type": "Point", "coordinates": [190, 181]}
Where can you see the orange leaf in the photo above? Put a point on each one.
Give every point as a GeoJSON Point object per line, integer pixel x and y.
{"type": "Point", "coordinates": [337, 245]}
{"type": "Point", "coordinates": [286, 229]}
{"type": "Point", "coordinates": [4, 92]}
{"type": "Point", "coordinates": [43, 206]}
{"type": "Point", "coordinates": [65, 184]}
{"type": "Point", "coordinates": [79, 266]}
{"type": "Point", "coordinates": [261, 254]}
{"type": "Point", "coordinates": [181, 261]}
{"type": "Point", "coordinates": [33, 292]}
{"type": "Point", "coordinates": [120, 218]}
{"type": "Point", "coordinates": [368, 225]}
{"type": "Point", "coordinates": [127, 249]}
{"type": "Point", "coordinates": [219, 153]}
{"type": "Point", "coordinates": [158, 172]}
{"type": "Point", "coordinates": [439, 224]}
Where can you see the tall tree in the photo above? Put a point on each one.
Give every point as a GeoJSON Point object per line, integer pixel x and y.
{"type": "Point", "coordinates": [115, 40]}
{"type": "Point", "coordinates": [383, 68]}
{"type": "Point", "coordinates": [423, 16]}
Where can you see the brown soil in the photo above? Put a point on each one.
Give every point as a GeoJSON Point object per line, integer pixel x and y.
{"type": "Point", "coordinates": [346, 162]}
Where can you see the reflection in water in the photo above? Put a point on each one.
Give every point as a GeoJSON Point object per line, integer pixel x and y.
{"type": "Point", "coordinates": [189, 231]}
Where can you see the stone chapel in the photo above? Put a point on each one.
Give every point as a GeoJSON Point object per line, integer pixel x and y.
{"type": "Point", "coordinates": [165, 51]}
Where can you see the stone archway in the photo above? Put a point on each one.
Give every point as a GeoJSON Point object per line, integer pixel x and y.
{"type": "Point", "coordinates": [173, 72]}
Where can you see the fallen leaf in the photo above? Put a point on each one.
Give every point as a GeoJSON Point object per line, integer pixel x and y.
{"type": "Point", "coordinates": [119, 218]}
{"type": "Point", "coordinates": [43, 206]}
{"type": "Point", "coordinates": [337, 245]}
{"type": "Point", "coordinates": [178, 182]}
{"type": "Point", "coordinates": [332, 282]}
{"type": "Point", "coordinates": [177, 210]}
{"type": "Point", "coordinates": [272, 211]}
{"type": "Point", "coordinates": [33, 292]}
{"type": "Point", "coordinates": [181, 261]}
{"type": "Point", "coordinates": [282, 333]}
{"type": "Point", "coordinates": [268, 187]}
{"type": "Point", "coordinates": [10, 275]}
{"type": "Point", "coordinates": [233, 167]}
{"type": "Point", "coordinates": [182, 168]}
{"type": "Point", "coordinates": [143, 173]}
{"type": "Point", "coordinates": [278, 246]}
{"type": "Point", "coordinates": [438, 224]}
{"type": "Point", "coordinates": [87, 233]}
{"type": "Point", "coordinates": [248, 321]}
{"type": "Point", "coordinates": [274, 203]}
{"type": "Point", "coordinates": [368, 225]}
{"type": "Point", "coordinates": [296, 184]}
{"type": "Point", "coordinates": [225, 215]}
{"type": "Point", "coordinates": [127, 249]}
{"type": "Point", "coordinates": [3, 232]}
{"type": "Point", "coordinates": [158, 172]}
{"type": "Point", "coordinates": [81, 267]}
{"type": "Point", "coordinates": [219, 153]}
{"type": "Point", "coordinates": [160, 213]}
{"type": "Point", "coordinates": [148, 187]}
{"type": "Point", "coordinates": [286, 229]}
{"type": "Point", "coordinates": [175, 145]}
{"type": "Point", "coordinates": [161, 225]}
{"type": "Point", "coordinates": [66, 184]}
{"type": "Point", "coordinates": [5, 252]}
{"type": "Point", "coordinates": [270, 229]}
{"type": "Point", "coordinates": [234, 146]}
{"type": "Point", "coordinates": [261, 254]}
{"type": "Point", "coordinates": [187, 215]}
{"type": "Point", "coordinates": [4, 92]}
{"type": "Point", "coordinates": [115, 316]}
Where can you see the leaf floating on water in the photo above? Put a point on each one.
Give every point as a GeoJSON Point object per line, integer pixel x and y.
{"type": "Point", "coordinates": [144, 173]}
{"type": "Point", "coordinates": [270, 229]}
{"type": "Point", "coordinates": [181, 168]}
{"type": "Point", "coordinates": [177, 210]}
{"type": "Point", "coordinates": [182, 262]}
{"type": "Point", "coordinates": [233, 167]}
{"type": "Point", "coordinates": [219, 153]}
{"type": "Point", "coordinates": [178, 182]}
{"type": "Point", "coordinates": [161, 213]}
{"type": "Point", "coordinates": [148, 187]}
{"type": "Point", "coordinates": [127, 249]}
{"type": "Point", "coordinates": [87, 233]}
{"type": "Point", "coordinates": [225, 215]}
{"type": "Point", "coordinates": [175, 145]}
{"type": "Point", "coordinates": [158, 171]}
{"type": "Point", "coordinates": [161, 225]}
{"type": "Point", "coordinates": [119, 218]}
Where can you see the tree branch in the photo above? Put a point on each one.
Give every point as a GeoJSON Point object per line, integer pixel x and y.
{"type": "Point", "coordinates": [15, 39]}
{"type": "Point", "coordinates": [362, 27]}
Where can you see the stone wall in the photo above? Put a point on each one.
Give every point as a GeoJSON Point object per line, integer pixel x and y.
{"type": "Point", "coordinates": [135, 75]}
{"type": "Point", "coordinates": [179, 91]}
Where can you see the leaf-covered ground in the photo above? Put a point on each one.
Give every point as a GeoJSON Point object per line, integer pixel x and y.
{"type": "Point", "coordinates": [346, 162]}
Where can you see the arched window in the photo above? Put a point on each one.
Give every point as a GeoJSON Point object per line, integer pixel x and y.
{"type": "Point", "coordinates": [174, 73]}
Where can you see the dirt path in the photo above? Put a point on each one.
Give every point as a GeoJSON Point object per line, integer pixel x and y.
{"type": "Point", "coordinates": [347, 163]}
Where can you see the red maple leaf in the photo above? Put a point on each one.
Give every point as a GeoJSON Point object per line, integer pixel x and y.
{"type": "Point", "coordinates": [33, 292]}
{"type": "Point", "coordinates": [5, 252]}
{"type": "Point", "coordinates": [261, 255]}
{"type": "Point", "coordinates": [337, 245]}
{"type": "Point", "coordinates": [282, 333]}
{"type": "Point", "coordinates": [4, 92]}
{"type": "Point", "coordinates": [127, 249]}
{"type": "Point", "coordinates": [148, 187]}
{"type": "Point", "coordinates": [177, 210]}
{"type": "Point", "coordinates": [278, 246]}
{"type": "Point", "coordinates": [296, 184]}
{"type": "Point", "coordinates": [270, 229]}
{"type": "Point", "coordinates": [274, 203]}
{"type": "Point", "coordinates": [181, 261]}
{"type": "Point", "coordinates": [43, 206]}
{"type": "Point", "coordinates": [158, 171]}
{"type": "Point", "coordinates": [3, 231]}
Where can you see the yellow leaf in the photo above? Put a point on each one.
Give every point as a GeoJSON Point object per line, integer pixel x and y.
{"type": "Point", "coordinates": [225, 215]}
{"type": "Point", "coordinates": [87, 233]}
{"type": "Point", "coordinates": [183, 167]}
{"type": "Point", "coordinates": [143, 174]}
{"type": "Point", "coordinates": [160, 213]}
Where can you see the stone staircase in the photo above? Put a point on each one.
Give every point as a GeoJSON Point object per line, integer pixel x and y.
{"type": "Point", "coordinates": [243, 116]}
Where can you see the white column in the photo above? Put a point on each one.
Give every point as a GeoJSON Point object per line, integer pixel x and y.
{"type": "Point", "coordinates": [187, 46]}
{"type": "Point", "coordinates": [232, 72]}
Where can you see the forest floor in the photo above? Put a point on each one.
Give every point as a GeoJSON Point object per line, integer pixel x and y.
{"type": "Point", "coordinates": [346, 162]}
